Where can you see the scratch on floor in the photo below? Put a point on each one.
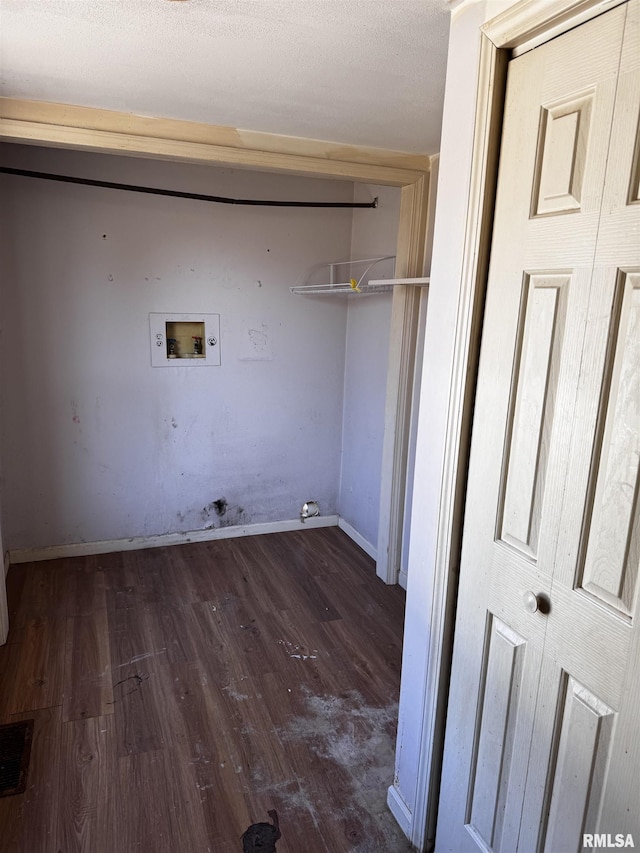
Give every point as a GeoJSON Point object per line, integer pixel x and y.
{"type": "Point", "coordinates": [299, 652]}
{"type": "Point", "coordinates": [137, 681]}
{"type": "Point", "coordinates": [137, 658]}
{"type": "Point", "coordinates": [291, 794]}
{"type": "Point", "coordinates": [234, 694]}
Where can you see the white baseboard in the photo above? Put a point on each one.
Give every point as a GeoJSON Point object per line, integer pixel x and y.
{"type": "Point", "coordinates": [399, 810]}
{"type": "Point", "coordinates": [358, 538]}
{"type": "Point", "coordinates": [109, 546]}
{"type": "Point", "coordinates": [4, 616]}
{"type": "Point", "coordinates": [402, 579]}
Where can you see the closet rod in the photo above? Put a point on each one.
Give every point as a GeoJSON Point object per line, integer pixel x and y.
{"type": "Point", "coordinates": [90, 182]}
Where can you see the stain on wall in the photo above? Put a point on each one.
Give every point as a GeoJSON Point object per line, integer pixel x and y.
{"type": "Point", "coordinates": [220, 506]}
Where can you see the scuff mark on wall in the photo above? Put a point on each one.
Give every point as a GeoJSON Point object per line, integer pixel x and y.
{"type": "Point", "coordinates": [258, 339]}
{"type": "Point", "coordinates": [235, 515]}
{"type": "Point", "coordinates": [205, 512]}
{"type": "Point", "coordinates": [256, 345]}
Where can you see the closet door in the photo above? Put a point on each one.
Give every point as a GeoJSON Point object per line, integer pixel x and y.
{"type": "Point", "coordinates": [542, 731]}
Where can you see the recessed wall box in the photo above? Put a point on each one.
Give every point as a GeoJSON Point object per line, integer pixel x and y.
{"type": "Point", "coordinates": [191, 340]}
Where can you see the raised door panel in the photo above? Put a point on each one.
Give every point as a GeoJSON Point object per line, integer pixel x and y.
{"type": "Point", "coordinates": [537, 367]}
{"type": "Point", "coordinates": [576, 780]}
{"type": "Point", "coordinates": [562, 155]}
{"type": "Point", "coordinates": [498, 731]}
{"type": "Point", "coordinates": [612, 556]}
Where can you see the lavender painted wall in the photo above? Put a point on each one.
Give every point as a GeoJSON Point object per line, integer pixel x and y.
{"type": "Point", "coordinates": [96, 444]}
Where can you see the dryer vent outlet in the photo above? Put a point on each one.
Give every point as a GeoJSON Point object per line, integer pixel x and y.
{"type": "Point", "coordinates": [310, 509]}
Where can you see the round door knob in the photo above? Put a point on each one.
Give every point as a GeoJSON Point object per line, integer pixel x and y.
{"type": "Point", "coordinates": [531, 601]}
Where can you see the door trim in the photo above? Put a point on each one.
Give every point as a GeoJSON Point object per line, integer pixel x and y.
{"type": "Point", "coordinates": [523, 26]}
{"type": "Point", "coordinates": [532, 22]}
{"type": "Point", "coordinates": [4, 612]}
{"type": "Point", "coordinates": [405, 315]}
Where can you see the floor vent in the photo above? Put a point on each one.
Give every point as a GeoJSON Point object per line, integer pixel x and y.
{"type": "Point", "coordinates": [15, 751]}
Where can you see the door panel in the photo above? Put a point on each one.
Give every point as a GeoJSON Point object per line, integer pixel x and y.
{"type": "Point", "coordinates": [612, 557]}
{"type": "Point", "coordinates": [538, 357]}
{"type": "Point", "coordinates": [497, 735]}
{"type": "Point", "coordinates": [546, 634]}
{"type": "Point", "coordinates": [562, 154]}
{"type": "Point", "coordinates": [583, 735]}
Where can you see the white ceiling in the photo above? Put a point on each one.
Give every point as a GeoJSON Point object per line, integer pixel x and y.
{"type": "Point", "coordinates": [363, 72]}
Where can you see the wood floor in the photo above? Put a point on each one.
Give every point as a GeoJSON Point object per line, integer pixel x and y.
{"type": "Point", "coordinates": [179, 693]}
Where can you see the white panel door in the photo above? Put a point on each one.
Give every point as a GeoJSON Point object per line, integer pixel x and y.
{"type": "Point", "coordinates": [543, 730]}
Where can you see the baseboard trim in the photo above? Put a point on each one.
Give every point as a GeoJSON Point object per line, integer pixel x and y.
{"type": "Point", "coordinates": [402, 579]}
{"type": "Point", "coordinates": [399, 810]}
{"type": "Point", "coordinates": [358, 538]}
{"type": "Point", "coordinates": [4, 613]}
{"type": "Point", "coordinates": [109, 546]}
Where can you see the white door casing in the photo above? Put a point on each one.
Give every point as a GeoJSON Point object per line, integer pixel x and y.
{"type": "Point", "coordinates": [4, 615]}
{"type": "Point", "coordinates": [544, 706]}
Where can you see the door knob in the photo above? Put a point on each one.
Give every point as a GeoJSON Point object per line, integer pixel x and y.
{"type": "Point", "coordinates": [531, 601]}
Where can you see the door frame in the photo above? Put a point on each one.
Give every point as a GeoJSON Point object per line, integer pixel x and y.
{"type": "Point", "coordinates": [524, 25]}
{"type": "Point", "coordinates": [4, 612]}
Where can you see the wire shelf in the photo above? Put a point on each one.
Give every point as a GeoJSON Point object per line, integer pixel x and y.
{"type": "Point", "coordinates": [356, 274]}
{"type": "Point", "coordinates": [343, 288]}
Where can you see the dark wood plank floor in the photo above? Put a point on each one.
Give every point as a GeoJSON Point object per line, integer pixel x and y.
{"type": "Point", "coordinates": [179, 693]}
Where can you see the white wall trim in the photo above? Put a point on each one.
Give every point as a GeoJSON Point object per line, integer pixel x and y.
{"type": "Point", "coordinates": [395, 449]}
{"type": "Point", "coordinates": [109, 546]}
{"type": "Point", "coordinates": [358, 538]}
{"type": "Point", "coordinates": [4, 615]}
{"type": "Point", "coordinates": [532, 22]}
{"type": "Point", "coordinates": [491, 74]}
{"type": "Point", "coordinates": [399, 810]}
{"type": "Point", "coordinates": [4, 611]}
{"type": "Point", "coordinates": [75, 126]}
{"type": "Point", "coordinates": [410, 263]}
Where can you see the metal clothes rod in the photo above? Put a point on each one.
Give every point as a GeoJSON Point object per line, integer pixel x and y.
{"type": "Point", "coordinates": [90, 182]}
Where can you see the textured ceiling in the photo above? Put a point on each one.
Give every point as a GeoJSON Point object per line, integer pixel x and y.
{"type": "Point", "coordinates": [364, 72]}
